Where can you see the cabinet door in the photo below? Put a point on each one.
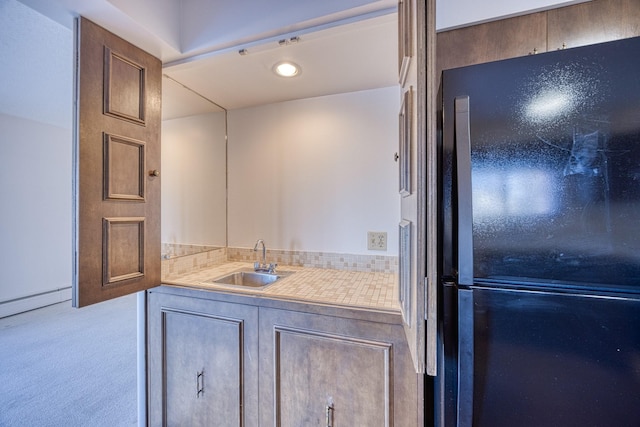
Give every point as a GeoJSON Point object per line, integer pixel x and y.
{"type": "Point", "coordinates": [412, 158]}
{"type": "Point", "coordinates": [593, 22]}
{"type": "Point", "coordinates": [492, 41]}
{"type": "Point", "coordinates": [326, 371]}
{"type": "Point", "coordinates": [117, 145]}
{"type": "Point", "coordinates": [202, 367]}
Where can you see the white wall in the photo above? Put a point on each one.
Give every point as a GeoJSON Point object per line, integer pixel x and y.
{"type": "Point", "coordinates": [194, 180]}
{"type": "Point", "coordinates": [35, 159]}
{"type": "Point", "coordinates": [35, 213]}
{"type": "Point", "coordinates": [315, 174]}
{"type": "Point", "coordinates": [36, 66]}
{"type": "Point", "coordinates": [451, 14]}
{"type": "Point", "coordinates": [334, 181]}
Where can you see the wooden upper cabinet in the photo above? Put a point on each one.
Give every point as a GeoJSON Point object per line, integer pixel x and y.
{"type": "Point", "coordinates": [581, 24]}
{"type": "Point", "coordinates": [116, 160]}
{"type": "Point", "coordinates": [596, 21]}
{"type": "Point", "coordinates": [492, 41]}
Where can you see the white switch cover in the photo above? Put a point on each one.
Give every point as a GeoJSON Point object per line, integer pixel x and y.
{"type": "Point", "coordinates": [377, 240]}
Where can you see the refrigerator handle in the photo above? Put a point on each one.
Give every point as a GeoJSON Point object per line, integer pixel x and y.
{"type": "Point", "coordinates": [465, 358]}
{"type": "Point", "coordinates": [463, 179]}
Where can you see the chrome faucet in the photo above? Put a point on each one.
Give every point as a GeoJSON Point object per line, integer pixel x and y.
{"type": "Point", "coordinates": [264, 250]}
{"type": "Point", "coordinates": [257, 266]}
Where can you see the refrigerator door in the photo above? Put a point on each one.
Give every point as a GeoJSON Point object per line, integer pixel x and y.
{"type": "Point", "coordinates": [551, 359]}
{"type": "Point", "coordinates": [555, 168]}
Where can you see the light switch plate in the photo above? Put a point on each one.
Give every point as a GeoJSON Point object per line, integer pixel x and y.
{"type": "Point", "coordinates": [377, 240]}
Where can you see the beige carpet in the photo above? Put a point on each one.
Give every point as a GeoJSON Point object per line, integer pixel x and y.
{"type": "Point", "coordinates": [61, 366]}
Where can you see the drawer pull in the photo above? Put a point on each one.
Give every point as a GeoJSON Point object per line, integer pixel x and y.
{"type": "Point", "coordinates": [330, 415]}
{"type": "Point", "coordinates": [199, 383]}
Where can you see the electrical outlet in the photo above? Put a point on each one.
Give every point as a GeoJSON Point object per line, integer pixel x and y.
{"type": "Point", "coordinates": [377, 240]}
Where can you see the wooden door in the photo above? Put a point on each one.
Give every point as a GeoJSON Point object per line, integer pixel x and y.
{"type": "Point", "coordinates": [318, 370]}
{"type": "Point", "coordinates": [324, 377]}
{"type": "Point", "coordinates": [116, 158]}
{"type": "Point", "coordinates": [492, 41]}
{"type": "Point", "coordinates": [203, 364]}
{"type": "Point", "coordinates": [412, 151]}
{"type": "Point", "coordinates": [593, 22]}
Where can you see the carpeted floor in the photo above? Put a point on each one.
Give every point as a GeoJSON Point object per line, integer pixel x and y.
{"type": "Point", "coordinates": [61, 366]}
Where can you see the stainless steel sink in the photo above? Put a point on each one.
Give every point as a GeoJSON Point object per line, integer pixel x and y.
{"type": "Point", "coordinates": [251, 279]}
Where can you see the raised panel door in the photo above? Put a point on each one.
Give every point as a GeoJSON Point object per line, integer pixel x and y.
{"type": "Point", "coordinates": [202, 363]}
{"type": "Point", "coordinates": [323, 377]}
{"type": "Point", "coordinates": [116, 160]}
{"type": "Point", "coordinates": [328, 371]}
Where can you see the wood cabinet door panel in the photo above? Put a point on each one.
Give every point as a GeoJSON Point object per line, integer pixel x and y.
{"type": "Point", "coordinates": [593, 22]}
{"type": "Point", "coordinates": [201, 365]}
{"type": "Point", "coordinates": [412, 171]}
{"type": "Point", "coordinates": [492, 41]}
{"type": "Point", "coordinates": [356, 373]}
{"type": "Point", "coordinates": [117, 143]}
{"type": "Point", "coordinates": [320, 376]}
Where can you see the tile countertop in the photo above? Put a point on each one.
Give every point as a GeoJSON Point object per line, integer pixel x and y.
{"type": "Point", "coordinates": [376, 291]}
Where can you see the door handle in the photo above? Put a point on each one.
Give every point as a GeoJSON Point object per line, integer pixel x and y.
{"type": "Point", "coordinates": [329, 414]}
{"type": "Point", "coordinates": [462, 149]}
{"type": "Point", "coordinates": [199, 383]}
{"type": "Point", "coordinates": [465, 358]}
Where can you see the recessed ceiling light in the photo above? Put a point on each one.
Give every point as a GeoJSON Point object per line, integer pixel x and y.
{"type": "Point", "coordinates": [286, 69]}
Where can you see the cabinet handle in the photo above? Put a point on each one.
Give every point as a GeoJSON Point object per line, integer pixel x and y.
{"type": "Point", "coordinates": [199, 383]}
{"type": "Point", "coordinates": [330, 415]}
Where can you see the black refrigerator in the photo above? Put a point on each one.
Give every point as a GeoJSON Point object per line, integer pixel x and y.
{"type": "Point", "coordinates": [540, 234]}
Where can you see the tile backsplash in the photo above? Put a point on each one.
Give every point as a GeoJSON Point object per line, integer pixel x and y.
{"type": "Point", "coordinates": [172, 250]}
{"type": "Point", "coordinates": [180, 265]}
{"type": "Point", "coordinates": [365, 263]}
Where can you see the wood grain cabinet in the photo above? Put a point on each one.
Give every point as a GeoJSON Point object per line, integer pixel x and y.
{"type": "Point", "coordinates": [581, 24]}
{"type": "Point", "coordinates": [320, 370]}
{"type": "Point", "coordinates": [492, 41]}
{"type": "Point", "coordinates": [592, 22]}
{"type": "Point", "coordinates": [202, 365]}
{"type": "Point", "coordinates": [212, 362]}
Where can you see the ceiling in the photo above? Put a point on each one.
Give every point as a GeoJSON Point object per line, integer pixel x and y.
{"type": "Point", "coordinates": [344, 46]}
{"type": "Point", "coordinates": [351, 57]}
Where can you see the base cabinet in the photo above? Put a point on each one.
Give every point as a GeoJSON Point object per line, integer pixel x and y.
{"type": "Point", "coordinates": [324, 371]}
{"type": "Point", "coordinates": [200, 370]}
{"type": "Point", "coordinates": [215, 363]}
